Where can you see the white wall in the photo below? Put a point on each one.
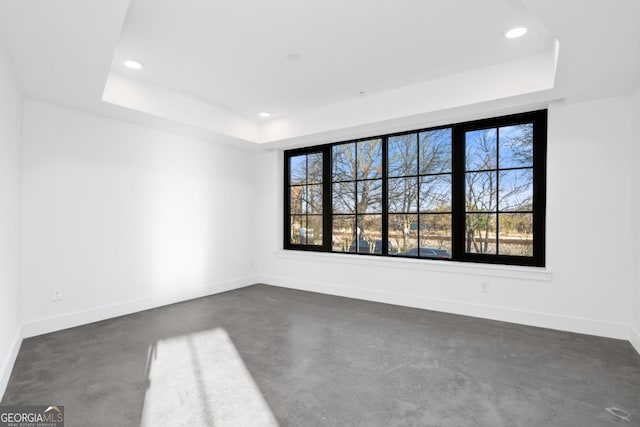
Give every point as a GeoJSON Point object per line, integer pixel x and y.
{"type": "Point", "coordinates": [587, 284]}
{"type": "Point", "coordinates": [635, 195]}
{"type": "Point", "coordinates": [120, 217]}
{"type": "Point", "coordinates": [10, 123]}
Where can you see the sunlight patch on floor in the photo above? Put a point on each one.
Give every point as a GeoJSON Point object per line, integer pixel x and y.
{"type": "Point", "coordinates": [200, 380]}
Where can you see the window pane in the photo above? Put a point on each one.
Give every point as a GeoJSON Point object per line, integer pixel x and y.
{"type": "Point", "coordinates": [435, 235]}
{"type": "Point", "coordinates": [314, 230]}
{"type": "Point", "coordinates": [435, 193]}
{"type": "Point", "coordinates": [344, 197]}
{"type": "Point", "coordinates": [516, 146]}
{"type": "Point", "coordinates": [481, 191]}
{"type": "Point", "coordinates": [344, 162]}
{"type": "Point", "coordinates": [403, 194]}
{"type": "Point", "coordinates": [403, 233]}
{"type": "Point", "coordinates": [480, 149]}
{"type": "Point", "coordinates": [369, 229]}
{"type": "Point", "coordinates": [516, 234]}
{"type": "Point", "coordinates": [370, 196]}
{"type": "Point", "coordinates": [480, 233]}
{"type": "Point", "coordinates": [298, 169]}
{"type": "Point", "coordinates": [343, 232]}
{"type": "Point", "coordinates": [314, 164]}
{"type": "Point", "coordinates": [402, 152]}
{"type": "Point", "coordinates": [516, 190]}
{"type": "Point", "coordinates": [298, 229]}
{"type": "Point", "coordinates": [297, 199]}
{"type": "Point", "coordinates": [370, 159]}
{"type": "Point", "coordinates": [435, 151]}
{"type": "Point", "coordinates": [314, 199]}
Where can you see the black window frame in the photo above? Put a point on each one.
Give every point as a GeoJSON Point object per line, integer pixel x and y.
{"type": "Point", "coordinates": [539, 120]}
{"type": "Point", "coordinates": [326, 200]}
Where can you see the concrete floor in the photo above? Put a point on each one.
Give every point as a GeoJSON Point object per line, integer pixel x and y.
{"type": "Point", "coordinates": [319, 360]}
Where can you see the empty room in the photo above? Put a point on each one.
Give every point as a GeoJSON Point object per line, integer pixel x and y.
{"type": "Point", "coordinates": [306, 213]}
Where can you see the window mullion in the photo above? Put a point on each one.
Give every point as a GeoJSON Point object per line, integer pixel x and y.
{"type": "Point", "coordinates": [418, 228]}
{"type": "Point", "coordinates": [497, 190]}
{"type": "Point", "coordinates": [327, 199]}
{"type": "Point", "coordinates": [385, 199]}
{"type": "Point", "coordinates": [458, 207]}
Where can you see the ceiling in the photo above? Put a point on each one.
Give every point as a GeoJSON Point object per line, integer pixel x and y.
{"type": "Point", "coordinates": [288, 56]}
{"type": "Point", "coordinates": [322, 69]}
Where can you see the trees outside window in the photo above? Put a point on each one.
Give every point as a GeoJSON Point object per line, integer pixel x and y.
{"type": "Point", "coordinates": [499, 190]}
{"type": "Point", "coordinates": [357, 195]}
{"type": "Point", "coordinates": [305, 191]}
{"type": "Point", "coordinates": [419, 188]}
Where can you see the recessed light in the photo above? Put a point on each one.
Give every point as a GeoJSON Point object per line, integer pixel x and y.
{"type": "Point", "coordinates": [134, 65]}
{"type": "Point", "coordinates": [516, 32]}
{"type": "Point", "coordinates": [264, 114]}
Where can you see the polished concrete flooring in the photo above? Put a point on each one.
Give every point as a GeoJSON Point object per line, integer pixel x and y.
{"type": "Point", "coordinates": [263, 355]}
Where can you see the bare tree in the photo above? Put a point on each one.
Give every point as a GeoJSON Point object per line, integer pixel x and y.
{"type": "Point", "coordinates": [421, 165]}
{"type": "Point", "coordinates": [306, 196]}
{"type": "Point", "coordinates": [490, 189]}
{"type": "Point", "coordinates": [357, 188]}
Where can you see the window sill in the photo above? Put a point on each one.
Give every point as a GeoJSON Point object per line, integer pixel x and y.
{"type": "Point", "coordinates": [452, 267]}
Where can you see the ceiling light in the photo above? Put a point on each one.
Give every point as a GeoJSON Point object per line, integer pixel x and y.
{"type": "Point", "coordinates": [264, 114]}
{"type": "Point", "coordinates": [134, 65]}
{"type": "Point", "coordinates": [515, 32]}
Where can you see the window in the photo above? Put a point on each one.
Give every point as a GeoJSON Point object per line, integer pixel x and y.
{"type": "Point", "coordinates": [356, 184]}
{"type": "Point", "coordinates": [472, 192]}
{"type": "Point", "coordinates": [306, 202]}
{"type": "Point", "coordinates": [419, 194]}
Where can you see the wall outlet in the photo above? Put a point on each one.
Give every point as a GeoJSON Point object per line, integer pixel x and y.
{"type": "Point", "coordinates": [484, 286]}
{"type": "Point", "coordinates": [56, 296]}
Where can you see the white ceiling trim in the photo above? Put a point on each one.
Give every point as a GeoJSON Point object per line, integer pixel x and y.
{"type": "Point", "coordinates": [177, 107]}
{"type": "Point", "coordinates": [515, 78]}
{"type": "Point", "coordinates": [530, 75]}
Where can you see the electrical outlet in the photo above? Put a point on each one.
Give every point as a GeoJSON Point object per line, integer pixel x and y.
{"type": "Point", "coordinates": [484, 286]}
{"type": "Point", "coordinates": [56, 296]}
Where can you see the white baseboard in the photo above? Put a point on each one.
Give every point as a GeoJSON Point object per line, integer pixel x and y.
{"type": "Point", "coordinates": [10, 360]}
{"type": "Point", "coordinates": [485, 311]}
{"type": "Point", "coordinates": [95, 314]}
{"type": "Point", "coordinates": [634, 338]}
